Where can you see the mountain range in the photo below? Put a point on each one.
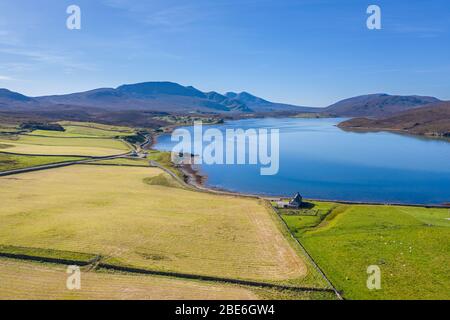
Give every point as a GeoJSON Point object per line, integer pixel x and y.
{"type": "Point", "coordinates": [140, 104]}
{"type": "Point", "coordinates": [152, 96]}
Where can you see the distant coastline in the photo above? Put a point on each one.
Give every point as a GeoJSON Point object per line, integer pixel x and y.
{"type": "Point", "coordinates": [427, 121]}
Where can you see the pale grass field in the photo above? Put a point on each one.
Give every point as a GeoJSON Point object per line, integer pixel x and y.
{"type": "Point", "coordinates": [27, 281]}
{"type": "Point", "coordinates": [80, 132]}
{"type": "Point", "coordinates": [62, 146]}
{"type": "Point", "coordinates": [97, 126]}
{"type": "Point", "coordinates": [110, 211]}
{"type": "Point", "coordinates": [125, 161]}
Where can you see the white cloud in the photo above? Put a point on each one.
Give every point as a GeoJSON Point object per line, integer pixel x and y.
{"type": "Point", "coordinates": [47, 58]}
{"type": "Point", "coordinates": [5, 78]}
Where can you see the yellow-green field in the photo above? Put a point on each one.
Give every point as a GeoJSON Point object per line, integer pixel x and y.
{"type": "Point", "coordinates": [411, 246]}
{"type": "Point", "coordinates": [20, 280]}
{"type": "Point", "coordinates": [114, 212]}
{"type": "Point", "coordinates": [99, 126]}
{"type": "Point", "coordinates": [36, 145]}
{"type": "Point", "coordinates": [164, 159]}
{"type": "Point", "coordinates": [8, 128]}
{"type": "Point", "coordinates": [32, 281]}
{"type": "Point", "coordinates": [124, 162]}
{"type": "Point", "coordinates": [13, 162]}
{"type": "Point", "coordinates": [81, 132]}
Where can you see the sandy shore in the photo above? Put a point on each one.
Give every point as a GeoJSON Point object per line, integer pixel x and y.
{"type": "Point", "coordinates": [193, 176]}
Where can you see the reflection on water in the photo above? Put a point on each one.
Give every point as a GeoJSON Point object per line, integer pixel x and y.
{"type": "Point", "coordinates": [322, 161]}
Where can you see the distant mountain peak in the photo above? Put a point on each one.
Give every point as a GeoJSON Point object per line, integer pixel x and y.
{"type": "Point", "coordinates": [246, 97]}
{"type": "Point", "coordinates": [6, 94]}
{"type": "Point", "coordinates": [146, 89]}
{"type": "Point", "coordinates": [231, 103]}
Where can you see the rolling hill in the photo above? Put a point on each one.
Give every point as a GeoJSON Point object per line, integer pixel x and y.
{"type": "Point", "coordinates": [432, 120]}
{"type": "Point", "coordinates": [137, 105]}
{"type": "Point", "coordinates": [377, 105]}
{"type": "Point", "coordinates": [168, 97]}
{"type": "Point", "coordinates": [149, 96]}
{"type": "Point", "coordinates": [10, 99]}
{"type": "Point", "coordinates": [142, 101]}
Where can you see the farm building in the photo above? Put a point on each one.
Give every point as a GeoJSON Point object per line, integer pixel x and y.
{"type": "Point", "coordinates": [294, 203]}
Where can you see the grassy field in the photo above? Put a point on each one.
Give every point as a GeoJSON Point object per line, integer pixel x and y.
{"type": "Point", "coordinates": [81, 132]}
{"type": "Point", "coordinates": [100, 126]}
{"type": "Point", "coordinates": [36, 145]}
{"type": "Point", "coordinates": [124, 162]}
{"type": "Point", "coordinates": [164, 159]}
{"type": "Point", "coordinates": [31, 281]}
{"type": "Point", "coordinates": [13, 162]}
{"type": "Point", "coordinates": [26, 280]}
{"type": "Point", "coordinates": [8, 128]}
{"type": "Point", "coordinates": [410, 245]}
{"type": "Point", "coordinates": [114, 212]}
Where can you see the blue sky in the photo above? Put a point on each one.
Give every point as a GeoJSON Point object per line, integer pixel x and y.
{"type": "Point", "coordinates": [311, 52]}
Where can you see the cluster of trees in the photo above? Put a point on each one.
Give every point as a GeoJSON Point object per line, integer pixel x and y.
{"type": "Point", "coordinates": [41, 126]}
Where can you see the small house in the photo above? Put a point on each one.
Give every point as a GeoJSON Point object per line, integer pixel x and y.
{"type": "Point", "coordinates": [294, 203]}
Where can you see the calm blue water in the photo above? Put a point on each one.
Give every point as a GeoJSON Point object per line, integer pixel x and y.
{"type": "Point", "coordinates": [323, 162]}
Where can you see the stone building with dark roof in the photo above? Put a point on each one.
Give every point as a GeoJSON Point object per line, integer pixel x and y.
{"type": "Point", "coordinates": [294, 203]}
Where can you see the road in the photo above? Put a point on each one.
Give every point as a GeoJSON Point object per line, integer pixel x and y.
{"type": "Point", "coordinates": [67, 163]}
{"type": "Point", "coordinates": [59, 164]}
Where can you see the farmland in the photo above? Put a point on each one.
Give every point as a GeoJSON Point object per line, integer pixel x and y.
{"type": "Point", "coordinates": [37, 145]}
{"type": "Point", "coordinates": [124, 162]}
{"type": "Point", "coordinates": [114, 213]}
{"type": "Point", "coordinates": [7, 128]}
{"type": "Point", "coordinates": [13, 162]}
{"type": "Point", "coordinates": [24, 280]}
{"type": "Point", "coordinates": [411, 246]}
{"type": "Point", "coordinates": [78, 139]}
{"type": "Point", "coordinates": [98, 126]}
{"type": "Point", "coordinates": [78, 131]}
{"type": "Point", "coordinates": [31, 281]}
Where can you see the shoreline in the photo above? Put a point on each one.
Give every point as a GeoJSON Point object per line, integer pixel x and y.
{"type": "Point", "coordinates": [196, 179]}
{"type": "Point", "coordinates": [193, 176]}
{"type": "Point", "coordinates": [429, 135]}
